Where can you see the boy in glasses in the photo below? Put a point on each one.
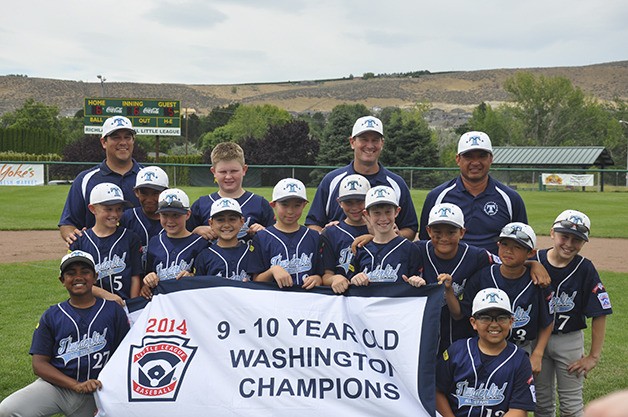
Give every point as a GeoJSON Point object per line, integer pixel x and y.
{"type": "Point", "coordinates": [533, 323]}
{"type": "Point", "coordinates": [578, 293]}
{"type": "Point", "coordinates": [485, 375]}
{"type": "Point", "coordinates": [171, 254]}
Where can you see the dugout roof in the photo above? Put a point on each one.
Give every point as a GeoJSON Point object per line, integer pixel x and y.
{"type": "Point", "coordinates": [552, 156]}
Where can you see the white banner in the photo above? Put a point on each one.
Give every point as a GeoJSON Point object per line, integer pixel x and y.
{"type": "Point", "coordinates": [21, 174]}
{"type": "Point", "coordinates": [585, 180]}
{"type": "Point", "coordinates": [226, 348]}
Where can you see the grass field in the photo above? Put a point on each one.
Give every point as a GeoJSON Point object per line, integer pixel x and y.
{"type": "Point", "coordinates": [606, 210]}
{"type": "Point", "coordinates": [28, 288]}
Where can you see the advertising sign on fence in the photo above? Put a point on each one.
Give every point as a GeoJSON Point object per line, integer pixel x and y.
{"type": "Point", "coordinates": [21, 174]}
{"type": "Point", "coordinates": [571, 180]}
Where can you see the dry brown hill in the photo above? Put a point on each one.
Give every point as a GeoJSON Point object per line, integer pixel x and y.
{"type": "Point", "coordinates": [447, 91]}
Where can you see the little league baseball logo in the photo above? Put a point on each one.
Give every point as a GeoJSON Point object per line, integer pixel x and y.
{"type": "Point", "coordinates": [157, 367]}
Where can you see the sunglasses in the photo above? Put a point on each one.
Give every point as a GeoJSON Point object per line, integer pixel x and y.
{"type": "Point", "coordinates": [173, 204]}
{"type": "Point", "coordinates": [567, 224]}
{"type": "Point", "coordinates": [519, 234]}
{"type": "Point", "coordinates": [488, 319]}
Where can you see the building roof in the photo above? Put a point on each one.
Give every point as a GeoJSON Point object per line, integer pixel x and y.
{"type": "Point", "coordinates": [580, 156]}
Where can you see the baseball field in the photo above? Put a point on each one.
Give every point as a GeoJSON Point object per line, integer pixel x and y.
{"type": "Point", "coordinates": [29, 286]}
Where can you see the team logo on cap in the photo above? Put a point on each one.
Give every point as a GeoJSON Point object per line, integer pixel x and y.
{"type": "Point", "coordinates": [118, 122]}
{"type": "Point", "coordinates": [370, 123]}
{"type": "Point", "coordinates": [381, 193]}
{"type": "Point", "coordinates": [575, 219]}
{"type": "Point", "coordinates": [493, 298]}
{"type": "Point", "coordinates": [157, 368]}
{"type": "Point", "coordinates": [352, 185]}
{"type": "Point", "coordinates": [226, 204]}
{"type": "Point", "coordinates": [170, 198]}
{"type": "Point", "coordinates": [475, 140]}
{"type": "Point", "coordinates": [149, 176]}
{"type": "Point", "coordinates": [445, 212]}
{"type": "Point", "coordinates": [292, 187]}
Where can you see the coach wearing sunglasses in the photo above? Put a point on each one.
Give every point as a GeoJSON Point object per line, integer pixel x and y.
{"type": "Point", "coordinates": [487, 204]}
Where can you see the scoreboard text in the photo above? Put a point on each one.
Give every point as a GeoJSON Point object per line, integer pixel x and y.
{"type": "Point", "coordinates": [149, 117]}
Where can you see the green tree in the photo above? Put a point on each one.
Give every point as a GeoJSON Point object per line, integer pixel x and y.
{"type": "Point", "coordinates": [219, 116]}
{"type": "Point", "coordinates": [33, 115]}
{"type": "Point", "coordinates": [247, 121]}
{"type": "Point", "coordinates": [408, 140]}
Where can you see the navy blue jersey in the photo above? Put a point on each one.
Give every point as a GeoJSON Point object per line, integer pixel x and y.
{"type": "Point", "coordinates": [529, 302]}
{"type": "Point", "coordinates": [387, 262]}
{"type": "Point", "coordinates": [297, 252]}
{"type": "Point", "coordinates": [478, 385]}
{"type": "Point", "coordinates": [167, 256]}
{"type": "Point", "coordinates": [336, 246]}
{"type": "Point", "coordinates": [468, 260]}
{"type": "Point", "coordinates": [76, 212]}
{"type": "Point", "coordinates": [325, 208]}
{"type": "Point", "coordinates": [136, 220]}
{"type": "Point", "coordinates": [484, 215]}
{"type": "Point", "coordinates": [255, 209]}
{"type": "Point", "coordinates": [230, 263]}
{"type": "Point", "coordinates": [80, 341]}
{"type": "Point", "coordinates": [117, 258]}
{"type": "Point", "coordinates": [577, 292]}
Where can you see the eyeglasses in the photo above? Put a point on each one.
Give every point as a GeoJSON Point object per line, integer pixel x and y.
{"type": "Point", "coordinates": [518, 233]}
{"type": "Point", "coordinates": [568, 224]}
{"type": "Point", "coordinates": [488, 319]}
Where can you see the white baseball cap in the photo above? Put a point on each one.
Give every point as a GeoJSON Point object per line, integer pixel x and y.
{"type": "Point", "coordinates": [491, 299]}
{"type": "Point", "coordinates": [381, 194]}
{"type": "Point", "coordinates": [108, 194]}
{"type": "Point", "coordinates": [472, 141]}
{"type": "Point", "coordinates": [520, 232]}
{"type": "Point", "coordinates": [353, 187]}
{"type": "Point", "coordinates": [367, 124]}
{"type": "Point", "coordinates": [225, 204]}
{"type": "Point", "coordinates": [173, 200]}
{"type": "Point", "coordinates": [151, 177]}
{"type": "Point", "coordinates": [116, 123]}
{"type": "Point", "coordinates": [573, 222]}
{"type": "Point", "coordinates": [289, 188]}
{"type": "Point", "coordinates": [77, 256]}
{"type": "Point", "coordinates": [446, 213]}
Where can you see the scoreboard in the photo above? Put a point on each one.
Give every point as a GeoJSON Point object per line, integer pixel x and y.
{"type": "Point", "coordinates": [149, 116]}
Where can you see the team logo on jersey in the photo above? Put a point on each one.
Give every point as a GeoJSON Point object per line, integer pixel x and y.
{"type": "Point", "coordinates": [379, 274]}
{"type": "Point", "coordinates": [344, 260]}
{"type": "Point", "coordinates": [563, 303]}
{"type": "Point", "coordinates": [605, 302]}
{"type": "Point", "coordinates": [69, 349]}
{"type": "Point", "coordinates": [114, 266]}
{"type": "Point", "coordinates": [294, 265]}
{"type": "Point", "coordinates": [242, 276]}
{"type": "Point", "coordinates": [522, 317]}
{"type": "Point", "coordinates": [171, 272]}
{"type": "Point", "coordinates": [244, 230]}
{"type": "Point", "coordinates": [481, 396]}
{"type": "Point", "coordinates": [157, 367]}
{"type": "Point", "coordinates": [491, 208]}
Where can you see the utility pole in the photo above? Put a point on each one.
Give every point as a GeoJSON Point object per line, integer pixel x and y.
{"type": "Point", "coordinates": [102, 85]}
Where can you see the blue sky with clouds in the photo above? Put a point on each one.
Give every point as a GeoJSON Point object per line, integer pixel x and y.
{"type": "Point", "coordinates": [243, 41]}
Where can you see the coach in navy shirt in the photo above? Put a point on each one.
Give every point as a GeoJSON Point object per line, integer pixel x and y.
{"type": "Point", "coordinates": [118, 138]}
{"type": "Point", "coordinates": [367, 142]}
{"type": "Point", "coordinates": [487, 204]}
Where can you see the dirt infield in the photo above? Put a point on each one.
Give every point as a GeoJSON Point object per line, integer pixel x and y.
{"type": "Point", "coordinates": [41, 245]}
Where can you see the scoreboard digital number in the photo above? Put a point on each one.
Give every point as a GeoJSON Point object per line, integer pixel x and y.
{"type": "Point", "coordinates": [149, 116]}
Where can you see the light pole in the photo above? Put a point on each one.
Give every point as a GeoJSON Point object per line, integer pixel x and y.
{"type": "Point", "coordinates": [625, 123]}
{"type": "Point", "coordinates": [102, 84]}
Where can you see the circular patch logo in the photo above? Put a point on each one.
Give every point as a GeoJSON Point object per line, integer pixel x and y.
{"type": "Point", "coordinates": [491, 208]}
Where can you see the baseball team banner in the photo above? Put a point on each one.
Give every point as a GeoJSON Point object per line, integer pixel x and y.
{"type": "Point", "coordinates": [207, 346]}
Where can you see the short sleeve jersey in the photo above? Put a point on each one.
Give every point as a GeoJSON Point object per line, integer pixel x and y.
{"type": "Point", "coordinates": [168, 257]}
{"type": "Point", "coordinates": [577, 292]}
{"type": "Point", "coordinates": [80, 341]}
{"type": "Point", "coordinates": [467, 261]}
{"type": "Point", "coordinates": [297, 252]}
{"type": "Point", "coordinates": [387, 262]}
{"type": "Point", "coordinates": [255, 209]}
{"type": "Point", "coordinates": [230, 263]}
{"type": "Point", "coordinates": [336, 246]}
{"type": "Point", "coordinates": [117, 257]}
{"type": "Point", "coordinates": [478, 385]}
{"type": "Point", "coordinates": [75, 211]}
{"type": "Point", "coordinates": [484, 215]}
{"type": "Point", "coordinates": [144, 227]}
{"type": "Point", "coordinates": [325, 207]}
{"type": "Point", "coordinates": [529, 302]}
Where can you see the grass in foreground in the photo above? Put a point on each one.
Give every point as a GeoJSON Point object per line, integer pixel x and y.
{"type": "Point", "coordinates": [29, 288]}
